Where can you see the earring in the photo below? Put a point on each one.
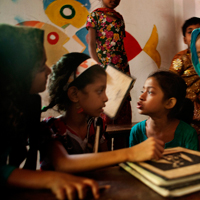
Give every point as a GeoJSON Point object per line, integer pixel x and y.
{"type": "Point", "coordinates": [79, 109]}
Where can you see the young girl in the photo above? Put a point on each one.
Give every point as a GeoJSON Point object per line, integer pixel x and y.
{"type": "Point", "coordinates": [162, 99]}
{"type": "Point", "coordinates": [77, 86]}
{"type": "Point", "coordinates": [23, 74]}
{"type": "Point", "coordinates": [106, 32]}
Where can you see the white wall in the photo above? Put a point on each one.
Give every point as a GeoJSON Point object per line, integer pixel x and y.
{"type": "Point", "coordinates": [140, 16]}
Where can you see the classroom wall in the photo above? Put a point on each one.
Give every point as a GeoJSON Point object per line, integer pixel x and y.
{"type": "Point", "coordinates": [154, 27]}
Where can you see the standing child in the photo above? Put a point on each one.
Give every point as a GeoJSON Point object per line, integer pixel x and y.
{"type": "Point", "coordinates": [163, 100]}
{"type": "Point", "coordinates": [106, 32]}
{"type": "Point", "coordinates": [77, 87]}
{"type": "Point", "coordinates": [23, 74]}
{"type": "Point", "coordinates": [182, 65]}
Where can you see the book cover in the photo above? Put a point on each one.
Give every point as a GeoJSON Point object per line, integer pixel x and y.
{"type": "Point", "coordinates": [118, 87]}
{"type": "Point", "coordinates": [177, 173]}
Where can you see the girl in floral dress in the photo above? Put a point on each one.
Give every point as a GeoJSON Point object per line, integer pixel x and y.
{"type": "Point", "coordinates": [106, 32]}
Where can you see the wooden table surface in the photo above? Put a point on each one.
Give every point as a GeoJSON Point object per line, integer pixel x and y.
{"type": "Point", "coordinates": [123, 187]}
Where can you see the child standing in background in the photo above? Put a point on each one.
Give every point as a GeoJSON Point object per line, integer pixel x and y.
{"type": "Point", "coordinates": [163, 100]}
{"type": "Point", "coordinates": [106, 32]}
{"type": "Point", "coordinates": [77, 87]}
{"type": "Point", "coordinates": [182, 65]}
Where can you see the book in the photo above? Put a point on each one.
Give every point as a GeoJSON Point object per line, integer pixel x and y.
{"type": "Point", "coordinates": [177, 173]}
{"type": "Point", "coordinates": [118, 87]}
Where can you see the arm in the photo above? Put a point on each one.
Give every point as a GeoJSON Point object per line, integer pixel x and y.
{"type": "Point", "coordinates": [92, 43]}
{"type": "Point", "coordinates": [60, 184]}
{"type": "Point", "coordinates": [150, 149]}
{"type": "Point", "coordinates": [177, 64]}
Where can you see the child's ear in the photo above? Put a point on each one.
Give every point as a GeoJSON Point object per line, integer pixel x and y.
{"type": "Point", "coordinates": [170, 103]}
{"type": "Point", "coordinates": [72, 94]}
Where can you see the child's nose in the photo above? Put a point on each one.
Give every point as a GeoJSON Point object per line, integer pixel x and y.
{"type": "Point", "coordinates": [48, 70]}
{"type": "Point", "coordinates": [142, 96]}
{"type": "Point", "coordinates": [105, 97]}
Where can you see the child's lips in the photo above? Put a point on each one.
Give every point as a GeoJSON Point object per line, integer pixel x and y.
{"type": "Point", "coordinates": [139, 105]}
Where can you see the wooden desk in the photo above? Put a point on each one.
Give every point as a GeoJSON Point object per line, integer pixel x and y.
{"type": "Point", "coordinates": [119, 135]}
{"type": "Point", "coordinates": [123, 187]}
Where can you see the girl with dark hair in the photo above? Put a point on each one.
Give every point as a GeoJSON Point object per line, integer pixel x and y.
{"type": "Point", "coordinates": [77, 88]}
{"type": "Point", "coordinates": [23, 74]}
{"type": "Point", "coordinates": [163, 100]}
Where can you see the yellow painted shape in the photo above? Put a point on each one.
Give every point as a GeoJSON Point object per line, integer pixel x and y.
{"type": "Point", "coordinates": [151, 45]}
{"type": "Point", "coordinates": [80, 42]}
{"type": "Point", "coordinates": [53, 13]}
{"type": "Point", "coordinates": [54, 52]}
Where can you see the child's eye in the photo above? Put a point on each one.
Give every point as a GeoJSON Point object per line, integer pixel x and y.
{"type": "Point", "coordinates": [99, 91]}
{"type": "Point", "coordinates": [142, 91]}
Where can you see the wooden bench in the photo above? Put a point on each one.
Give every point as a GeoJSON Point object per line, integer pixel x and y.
{"type": "Point", "coordinates": [118, 135]}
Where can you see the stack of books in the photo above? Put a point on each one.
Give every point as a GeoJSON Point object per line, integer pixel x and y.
{"type": "Point", "coordinates": [177, 173]}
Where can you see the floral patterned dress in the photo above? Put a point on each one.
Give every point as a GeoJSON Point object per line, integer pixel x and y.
{"type": "Point", "coordinates": [110, 35]}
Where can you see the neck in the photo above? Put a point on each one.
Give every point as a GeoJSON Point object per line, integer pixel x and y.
{"type": "Point", "coordinates": [161, 128]}
{"type": "Point", "coordinates": [76, 121]}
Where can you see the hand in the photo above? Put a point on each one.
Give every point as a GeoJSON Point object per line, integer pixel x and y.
{"type": "Point", "coordinates": [70, 187]}
{"type": "Point", "coordinates": [151, 148]}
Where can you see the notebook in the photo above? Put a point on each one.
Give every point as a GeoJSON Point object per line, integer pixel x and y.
{"type": "Point", "coordinates": [177, 173]}
{"type": "Point", "coordinates": [118, 87]}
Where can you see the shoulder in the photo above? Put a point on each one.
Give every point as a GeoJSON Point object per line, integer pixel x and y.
{"type": "Point", "coordinates": [140, 126]}
{"type": "Point", "coordinates": [185, 128]}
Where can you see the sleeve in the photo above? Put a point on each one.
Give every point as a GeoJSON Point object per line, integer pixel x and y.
{"type": "Point", "coordinates": [177, 64]}
{"type": "Point", "coordinates": [135, 134]}
{"type": "Point", "coordinates": [5, 170]}
{"type": "Point", "coordinates": [192, 140]}
{"type": "Point", "coordinates": [92, 20]}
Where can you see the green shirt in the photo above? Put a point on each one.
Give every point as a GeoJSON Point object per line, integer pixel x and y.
{"type": "Point", "coordinates": [185, 136]}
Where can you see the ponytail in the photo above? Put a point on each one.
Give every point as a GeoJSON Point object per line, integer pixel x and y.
{"type": "Point", "coordinates": [186, 112]}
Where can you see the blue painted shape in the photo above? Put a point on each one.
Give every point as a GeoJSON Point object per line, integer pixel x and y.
{"type": "Point", "coordinates": [86, 3]}
{"type": "Point", "coordinates": [46, 3]}
{"type": "Point", "coordinates": [81, 34]}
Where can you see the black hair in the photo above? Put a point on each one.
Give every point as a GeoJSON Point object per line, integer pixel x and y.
{"type": "Point", "coordinates": [189, 22]}
{"type": "Point", "coordinates": [173, 85]}
{"type": "Point", "coordinates": [61, 72]}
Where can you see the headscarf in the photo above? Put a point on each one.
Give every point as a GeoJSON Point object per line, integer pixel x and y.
{"type": "Point", "coordinates": [21, 51]}
{"type": "Point", "coordinates": [195, 60]}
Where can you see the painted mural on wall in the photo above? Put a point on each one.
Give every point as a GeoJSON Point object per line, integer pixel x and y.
{"type": "Point", "coordinates": [68, 19]}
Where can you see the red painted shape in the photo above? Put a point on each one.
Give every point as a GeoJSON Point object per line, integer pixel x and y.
{"type": "Point", "coordinates": [131, 46]}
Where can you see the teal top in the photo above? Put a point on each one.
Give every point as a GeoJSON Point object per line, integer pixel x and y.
{"type": "Point", "coordinates": [185, 136]}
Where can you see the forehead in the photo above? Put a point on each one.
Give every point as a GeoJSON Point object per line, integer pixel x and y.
{"type": "Point", "coordinates": [192, 27]}
{"type": "Point", "coordinates": [151, 82]}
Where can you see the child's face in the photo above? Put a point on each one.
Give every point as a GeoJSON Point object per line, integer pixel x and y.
{"type": "Point", "coordinates": [187, 38]}
{"type": "Point", "coordinates": [198, 47]}
{"type": "Point", "coordinates": [40, 78]}
{"type": "Point", "coordinates": [93, 97]}
{"type": "Point", "coordinates": [151, 100]}
{"type": "Point", "coordinates": [110, 3]}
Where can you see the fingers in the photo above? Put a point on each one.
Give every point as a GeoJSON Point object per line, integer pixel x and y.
{"type": "Point", "coordinates": [156, 148]}
{"type": "Point", "coordinates": [94, 187]}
